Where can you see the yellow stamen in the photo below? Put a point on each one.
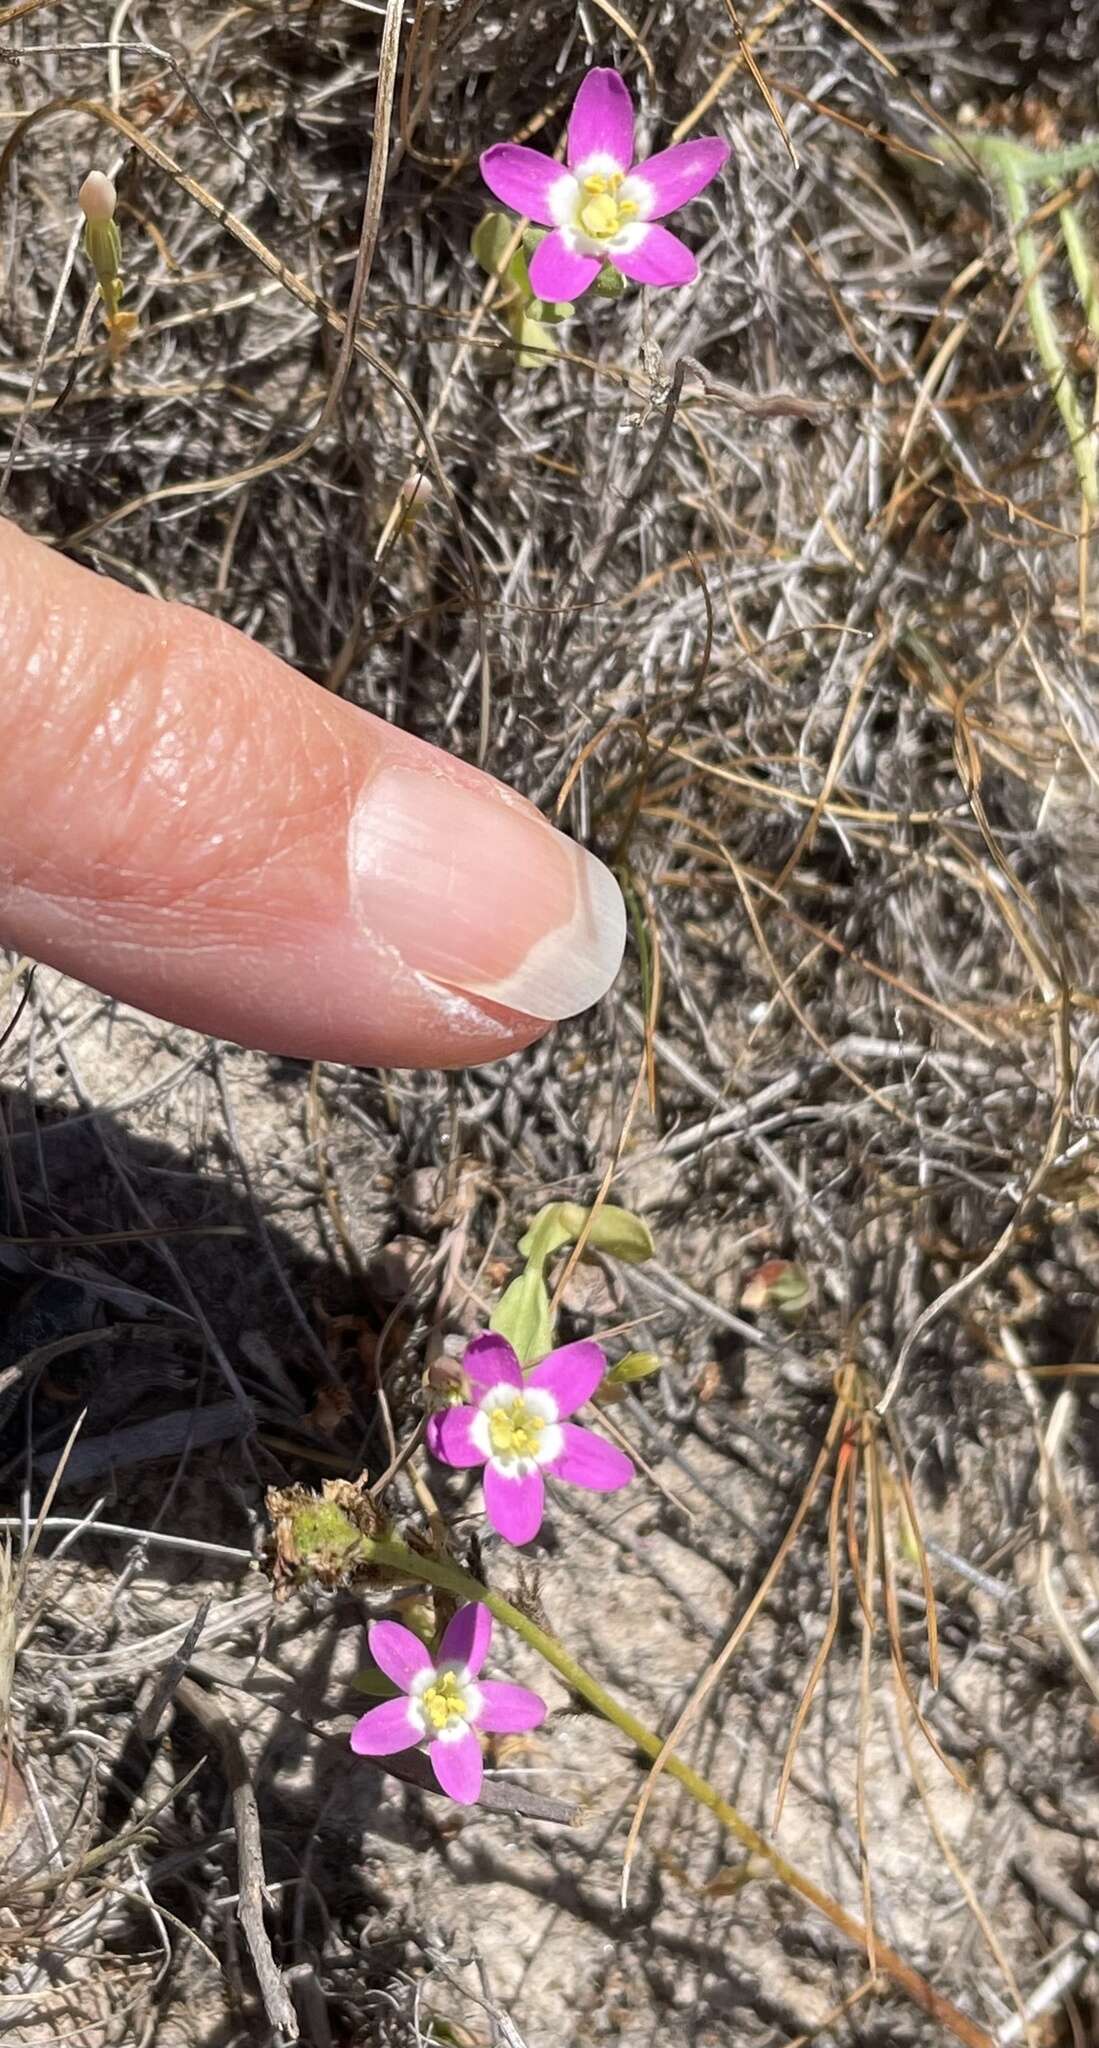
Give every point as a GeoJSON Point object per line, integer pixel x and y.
{"type": "Point", "coordinates": [515, 1429]}
{"type": "Point", "coordinates": [443, 1702]}
{"type": "Point", "coordinates": [602, 213]}
{"type": "Point", "coordinates": [600, 217]}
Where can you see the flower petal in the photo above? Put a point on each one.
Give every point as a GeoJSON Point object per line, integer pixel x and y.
{"type": "Point", "coordinates": [601, 122]}
{"type": "Point", "coordinates": [527, 180]}
{"type": "Point", "coordinates": [508, 1709]}
{"type": "Point", "coordinates": [383, 1730]}
{"type": "Point", "coordinates": [398, 1653]}
{"type": "Point", "coordinates": [589, 1460]}
{"type": "Point", "coordinates": [659, 258]}
{"type": "Point", "coordinates": [570, 1375]}
{"type": "Point", "coordinates": [449, 1438]}
{"type": "Point", "coordinates": [490, 1359]}
{"type": "Point", "coordinates": [677, 175]}
{"type": "Point", "coordinates": [459, 1767]}
{"type": "Point", "coordinates": [467, 1637]}
{"type": "Point", "coordinates": [559, 272]}
{"type": "Point", "coordinates": [514, 1506]}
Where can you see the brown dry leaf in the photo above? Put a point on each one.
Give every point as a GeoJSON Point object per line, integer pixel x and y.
{"type": "Point", "coordinates": [331, 1408]}
{"type": "Point", "coordinates": [778, 1284]}
{"type": "Point", "coordinates": [709, 1383]}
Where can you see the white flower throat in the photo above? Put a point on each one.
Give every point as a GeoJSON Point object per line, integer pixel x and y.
{"type": "Point", "coordinates": [444, 1702]}
{"type": "Point", "coordinates": [600, 208]}
{"type": "Point", "coordinates": [516, 1429]}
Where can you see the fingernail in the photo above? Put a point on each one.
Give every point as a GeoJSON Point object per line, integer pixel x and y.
{"type": "Point", "coordinates": [474, 889]}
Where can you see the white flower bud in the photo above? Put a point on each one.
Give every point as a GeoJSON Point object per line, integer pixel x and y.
{"type": "Point", "coordinates": [416, 494]}
{"type": "Point", "coordinates": [97, 197]}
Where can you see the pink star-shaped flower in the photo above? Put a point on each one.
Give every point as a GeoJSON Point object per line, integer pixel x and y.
{"type": "Point", "coordinates": [603, 208]}
{"type": "Point", "coordinates": [516, 1427]}
{"type": "Point", "coordinates": [444, 1700]}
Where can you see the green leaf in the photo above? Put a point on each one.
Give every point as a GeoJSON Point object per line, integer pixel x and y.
{"type": "Point", "coordinates": [779, 1284]}
{"type": "Point", "coordinates": [488, 242]}
{"type": "Point", "coordinates": [535, 341]}
{"type": "Point", "coordinates": [637, 1365]}
{"type": "Point", "coordinates": [618, 1232]}
{"type": "Point", "coordinates": [522, 1315]}
{"type": "Point", "coordinates": [551, 311]}
{"type": "Point", "coordinates": [490, 238]}
{"type": "Point", "coordinates": [558, 1224]}
{"type": "Point", "coordinates": [622, 1235]}
{"type": "Point", "coordinates": [528, 317]}
{"type": "Point", "coordinates": [610, 283]}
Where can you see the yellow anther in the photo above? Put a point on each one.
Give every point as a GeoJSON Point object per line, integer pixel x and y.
{"type": "Point", "coordinates": [515, 1430]}
{"type": "Point", "coordinates": [443, 1702]}
{"type": "Point", "coordinates": [601, 213]}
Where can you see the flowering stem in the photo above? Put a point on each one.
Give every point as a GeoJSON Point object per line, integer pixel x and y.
{"type": "Point", "coordinates": [1019, 170]}
{"type": "Point", "coordinates": [1002, 153]}
{"type": "Point", "coordinates": [1046, 338]}
{"type": "Point", "coordinates": [396, 1557]}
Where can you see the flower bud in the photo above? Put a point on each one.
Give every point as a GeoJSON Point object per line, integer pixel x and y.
{"type": "Point", "coordinates": [97, 197]}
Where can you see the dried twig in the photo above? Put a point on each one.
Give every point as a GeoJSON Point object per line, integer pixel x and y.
{"type": "Point", "coordinates": [252, 1884]}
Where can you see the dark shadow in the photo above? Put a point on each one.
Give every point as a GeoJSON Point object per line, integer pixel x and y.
{"type": "Point", "coordinates": [144, 1295]}
{"type": "Point", "coordinates": [193, 1336]}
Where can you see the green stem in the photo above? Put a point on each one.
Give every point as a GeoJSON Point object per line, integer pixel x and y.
{"type": "Point", "coordinates": [1083, 269]}
{"type": "Point", "coordinates": [1017, 170]}
{"type": "Point", "coordinates": [1043, 326]}
{"type": "Point", "coordinates": [1032, 166]}
{"type": "Point", "coordinates": [396, 1557]}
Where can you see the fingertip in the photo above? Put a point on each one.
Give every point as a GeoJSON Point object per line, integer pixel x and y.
{"type": "Point", "coordinates": [190, 825]}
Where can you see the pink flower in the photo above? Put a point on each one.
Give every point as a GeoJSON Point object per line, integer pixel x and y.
{"type": "Point", "coordinates": [443, 1701]}
{"type": "Point", "coordinates": [517, 1431]}
{"type": "Point", "coordinates": [604, 208]}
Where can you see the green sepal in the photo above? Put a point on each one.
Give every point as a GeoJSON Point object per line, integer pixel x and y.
{"type": "Point", "coordinates": [103, 248]}
{"type": "Point", "coordinates": [610, 283]}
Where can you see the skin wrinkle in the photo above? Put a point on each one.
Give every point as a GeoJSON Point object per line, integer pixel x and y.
{"type": "Point", "coordinates": [296, 835]}
{"type": "Point", "coordinates": [175, 822]}
{"type": "Point", "coordinates": [56, 643]}
{"type": "Point", "coordinates": [136, 740]}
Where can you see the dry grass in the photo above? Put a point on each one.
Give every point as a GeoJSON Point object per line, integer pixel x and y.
{"type": "Point", "coordinates": [782, 581]}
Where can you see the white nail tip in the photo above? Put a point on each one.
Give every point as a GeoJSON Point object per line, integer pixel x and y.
{"type": "Point", "coordinates": [476, 892]}
{"type": "Point", "coordinates": [572, 967]}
